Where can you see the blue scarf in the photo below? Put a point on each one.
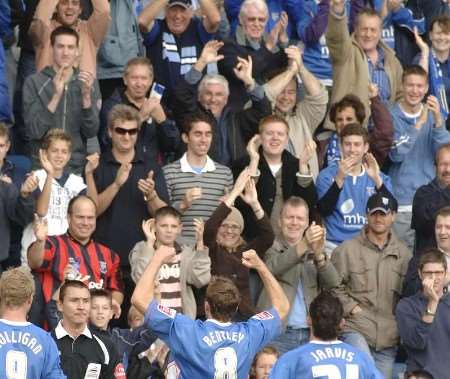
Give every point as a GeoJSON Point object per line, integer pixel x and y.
{"type": "Point", "coordinates": [437, 87]}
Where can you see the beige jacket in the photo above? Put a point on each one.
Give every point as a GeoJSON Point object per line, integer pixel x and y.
{"type": "Point", "coordinates": [373, 280]}
{"type": "Point", "coordinates": [195, 270]}
{"type": "Point", "coordinates": [91, 33]}
{"type": "Point", "coordinates": [350, 67]}
{"type": "Point", "coordinates": [284, 263]}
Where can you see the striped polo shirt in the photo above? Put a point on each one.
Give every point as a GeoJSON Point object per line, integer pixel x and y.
{"type": "Point", "coordinates": [213, 179]}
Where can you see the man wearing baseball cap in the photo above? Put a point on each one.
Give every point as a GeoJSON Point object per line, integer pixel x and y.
{"type": "Point", "coordinates": [371, 267]}
{"type": "Point", "coordinates": [175, 43]}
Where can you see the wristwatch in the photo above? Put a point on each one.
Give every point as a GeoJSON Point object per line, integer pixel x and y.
{"type": "Point", "coordinates": [429, 312]}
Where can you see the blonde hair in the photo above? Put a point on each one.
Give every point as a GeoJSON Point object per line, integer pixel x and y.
{"type": "Point", "coordinates": [16, 287]}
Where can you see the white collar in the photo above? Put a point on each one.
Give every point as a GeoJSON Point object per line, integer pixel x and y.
{"type": "Point", "coordinates": [15, 323]}
{"type": "Point", "coordinates": [335, 342]}
{"type": "Point", "coordinates": [186, 167]}
{"type": "Point", "coordinates": [219, 322]}
{"type": "Point", "coordinates": [60, 332]}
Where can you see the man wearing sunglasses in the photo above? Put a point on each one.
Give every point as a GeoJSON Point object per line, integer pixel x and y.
{"type": "Point", "coordinates": [130, 189]}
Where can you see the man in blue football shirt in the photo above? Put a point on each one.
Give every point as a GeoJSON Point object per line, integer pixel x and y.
{"type": "Point", "coordinates": [324, 356]}
{"type": "Point", "coordinates": [215, 348]}
{"type": "Point", "coordinates": [26, 351]}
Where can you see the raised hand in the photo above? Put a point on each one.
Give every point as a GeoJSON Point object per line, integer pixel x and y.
{"type": "Point", "coordinates": [5, 178]}
{"type": "Point", "coordinates": [59, 81]}
{"type": "Point", "coordinates": [373, 90]}
{"type": "Point", "coordinates": [434, 107]}
{"type": "Point", "coordinates": [199, 227]}
{"type": "Point", "coordinates": [147, 186]}
{"type": "Point", "coordinates": [283, 21]}
{"type": "Point", "coordinates": [294, 56]}
{"type": "Point", "coordinates": [40, 228]}
{"type": "Point", "coordinates": [346, 166]}
{"type": "Point", "coordinates": [30, 184]}
{"type": "Point", "coordinates": [253, 147]}
{"type": "Point", "coordinates": [249, 195]}
{"type": "Point", "coordinates": [315, 237]}
{"type": "Point", "coordinates": [148, 227]}
{"type": "Point", "coordinates": [429, 291]}
{"type": "Point", "coordinates": [243, 71]}
{"type": "Point", "coordinates": [190, 196]}
{"type": "Point", "coordinates": [92, 163]}
{"type": "Point", "coordinates": [116, 308]}
{"type": "Point", "coordinates": [122, 174]}
{"type": "Point", "coordinates": [45, 163]}
{"type": "Point", "coordinates": [87, 82]}
{"type": "Point", "coordinates": [149, 106]}
{"type": "Point", "coordinates": [251, 260]}
{"type": "Point", "coordinates": [210, 52]}
{"type": "Point", "coordinates": [421, 44]}
{"type": "Point", "coordinates": [371, 166]}
{"type": "Point", "coordinates": [308, 152]}
{"type": "Point", "coordinates": [164, 253]}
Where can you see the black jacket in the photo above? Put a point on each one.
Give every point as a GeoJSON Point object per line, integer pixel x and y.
{"type": "Point", "coordinates": [266, 187]}
{"type": "Point", "coordinates": [235, 126]}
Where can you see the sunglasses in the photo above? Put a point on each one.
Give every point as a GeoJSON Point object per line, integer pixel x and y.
{"type": "Point", "coordinates": [123, 131]}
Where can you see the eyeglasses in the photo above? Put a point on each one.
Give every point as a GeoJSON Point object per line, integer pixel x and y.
{"type": "Point", "coordinates": [261, 20]}
{"type": "Point", "coordinates": [233, 228]}
{"type": "Point", "coordinates": [123, 131]}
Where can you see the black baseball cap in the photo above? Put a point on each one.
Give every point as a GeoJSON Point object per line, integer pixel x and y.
{"type": "Point", "coordinates": [182, 3]}
{"type": "Point", "coordinates": [381, 202]}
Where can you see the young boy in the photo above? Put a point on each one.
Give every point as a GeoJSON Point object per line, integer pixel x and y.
{"type": "Point", "coordinates": [190, 266]}
{"type": "Point", "coordinates": [131, 344]}
{"type": "Point", "coordinates": [56, 186]}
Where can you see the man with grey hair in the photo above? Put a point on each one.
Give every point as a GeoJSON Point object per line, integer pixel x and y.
{"type": "Point", "coordinates": [232, 128]}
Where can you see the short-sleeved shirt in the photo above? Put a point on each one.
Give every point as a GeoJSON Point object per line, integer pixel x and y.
{"type": "Point", "coordinates": [120, 226]}
{"type": "Point", "coordinates": [27, 351]}
{"type": "Point", "coordinates": [94, 259]}
{"type": "Point", "coordinates": [90, 355]}
{"type": "Point", "coordinates": [212, 349]}
{"type": "Point", "coordinates": [320, 359]}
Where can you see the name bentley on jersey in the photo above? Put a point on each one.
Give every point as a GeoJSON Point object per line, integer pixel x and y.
{"type": "Point", "coordinates": [335, 352]}
{"type": "Point", "coordinates": [218, 336]}
{"type": "Point", "coordinates": [12, 336]}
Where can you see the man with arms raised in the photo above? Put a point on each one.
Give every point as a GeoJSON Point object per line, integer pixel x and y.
{"type": "Point", "coordinates": [215, 347]}
{"type": "Point", "coordinates": [26, 351]}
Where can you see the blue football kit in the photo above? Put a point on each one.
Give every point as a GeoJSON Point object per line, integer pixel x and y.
{"type": "Point", "coordinates": [27, 352]}
{"type": "Point", "coordinates": [212, 349]}
{"type": "Point", "coordinates": [325, 360]}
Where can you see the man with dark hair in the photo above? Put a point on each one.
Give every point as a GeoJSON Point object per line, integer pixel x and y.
{"type": "Point", "coordinates": [215, 347]}
{"type": "Point", "coordinates": [345, 186]}
{"type": "Point", "coordinates": [84, 353]}
{"type": "Point", "coordinates": [195, 182]}
{"type": "Point", "coordinates": [419, 374]}
{"type": "Point", "coordinates": [26, 351]}
{"type": "Point", "coordinates": [429, 199]}
{"type": "Point", "coordinates": [325, 355]}
{"type": "Point", "coordinates": [74, 254]}
{"type": "Point", "coordinates": [419, 130]}
{"type": "Point", "coordinates": [423, 320]}
{"type": "Point", "coordinates": [350, 110]}
{"type": "Point", "coordinates": [61, 96]}
{"type": "Point", "coordinates": [371, 267]}
{"type": "Point", "coordinates": [68, 13]}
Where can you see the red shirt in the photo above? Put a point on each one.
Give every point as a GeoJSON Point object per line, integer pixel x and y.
{"type": "Point", "coordinates": [94, 259]}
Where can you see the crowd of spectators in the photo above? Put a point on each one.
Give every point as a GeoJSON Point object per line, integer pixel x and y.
{"type": "Point", "coordinates": [167, 162]}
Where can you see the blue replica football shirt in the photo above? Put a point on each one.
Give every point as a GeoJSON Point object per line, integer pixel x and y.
{"type": "Point", "coordinates": [212, 349]}
{"type": "Point", "coordinates": [27, 352]}
{"type": "Point", "coordinates": [325, 360]}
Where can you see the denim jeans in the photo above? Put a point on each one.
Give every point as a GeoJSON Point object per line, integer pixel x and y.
{"type": "Point", "coordinates": [384, 359]}
{"type": "Point", "coordinates": [291, 339]}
